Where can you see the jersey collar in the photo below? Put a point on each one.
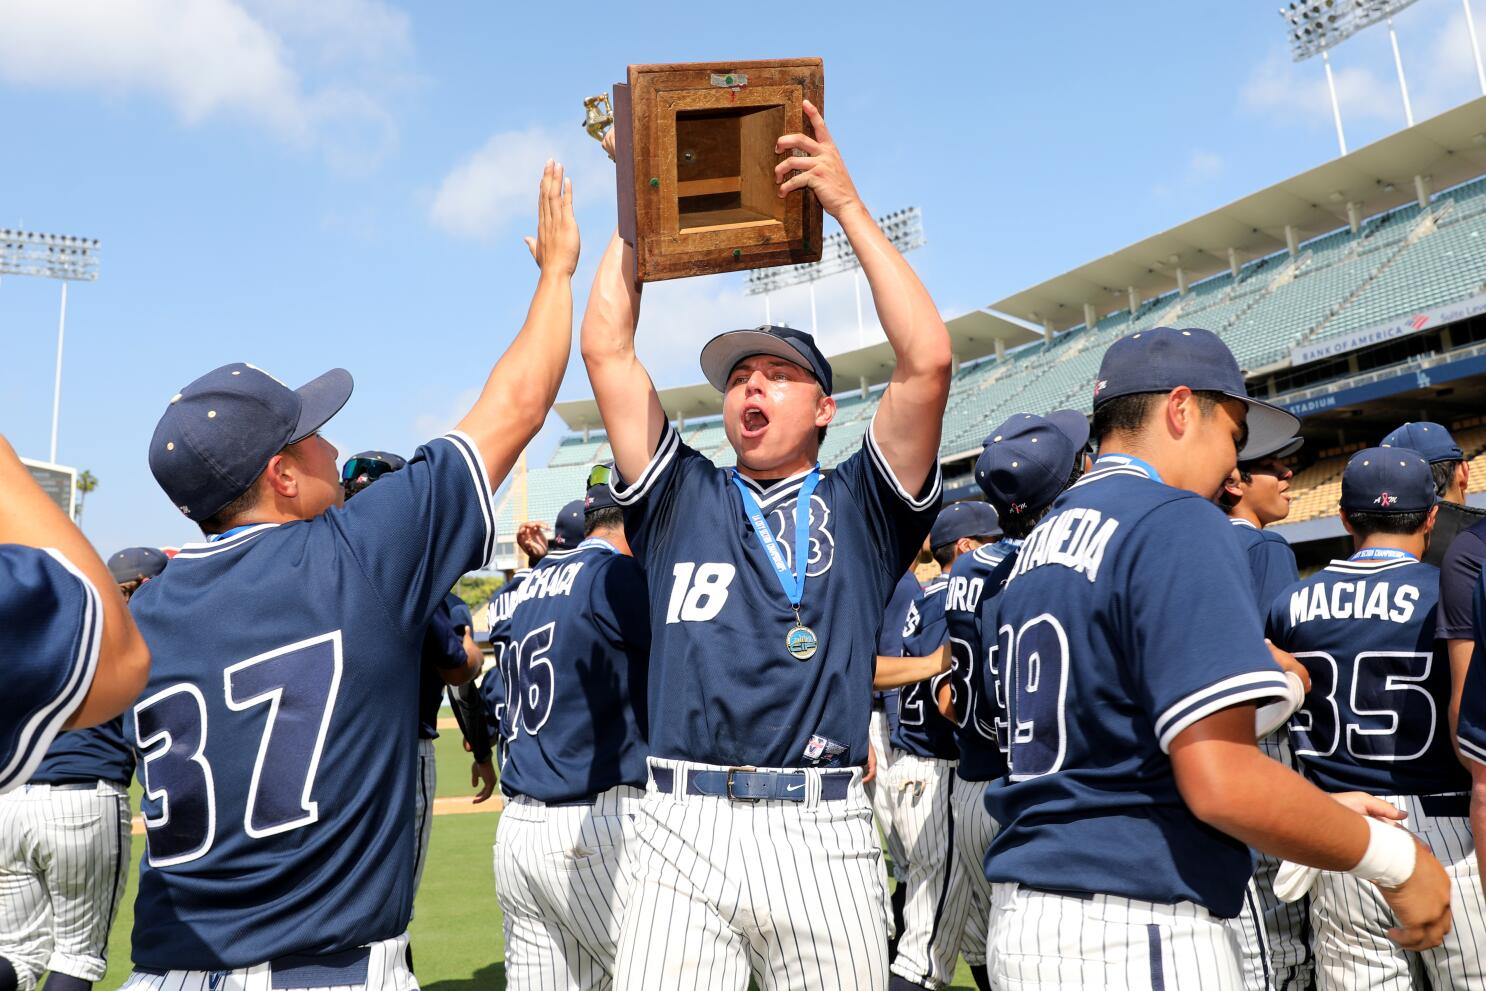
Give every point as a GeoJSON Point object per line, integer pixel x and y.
{"type": "Point", "coordinates": [1126, 461]}
{"type": "Point", "coordinates": [597, 542]}
{"type": "Point", "coordinates": [1240, 521]}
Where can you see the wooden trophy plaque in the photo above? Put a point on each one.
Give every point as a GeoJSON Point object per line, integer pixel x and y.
{"type": "Point", "coordinates": [695, 148]}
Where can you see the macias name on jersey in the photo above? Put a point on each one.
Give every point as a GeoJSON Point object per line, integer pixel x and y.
{"type": "Point", "coordinates": [1362, 599]}
{"type": "Point", "coordinates": [1075, 538]}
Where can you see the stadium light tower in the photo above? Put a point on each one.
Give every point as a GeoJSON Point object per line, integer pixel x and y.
{"type": "Point", "coordinates": [904, 230]}
{"type": "Point", "coordinates": [51, 256]}
{"type": "Point", "coordinates": [1317, 26]}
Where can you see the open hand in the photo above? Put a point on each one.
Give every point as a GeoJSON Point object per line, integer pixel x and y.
{"type": "Point", "coordinates": [482, 776]}
{"type": "Point", "coordinates": [819, 168]}
{"type": "Point", "coordinates": [555, 248]}
{"type": "Point", "coordinates": [531, 537]}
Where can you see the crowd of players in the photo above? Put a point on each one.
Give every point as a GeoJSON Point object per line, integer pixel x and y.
{"type": "Point", "coordinates": [1116, 742]}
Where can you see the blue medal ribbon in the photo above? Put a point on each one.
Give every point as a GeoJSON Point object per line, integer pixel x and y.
{"type": "Point", "coordinates": [793, 582]}
{"type": "Point", "coordinates": [212, 538]}
{"type": "Point", "coordinates": [597, 542]}
{"type": "Point", "coordinates": [1381, 554]}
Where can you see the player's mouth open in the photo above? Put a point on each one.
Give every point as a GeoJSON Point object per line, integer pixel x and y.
{"type": "Point", "coordinates": [754, 421]}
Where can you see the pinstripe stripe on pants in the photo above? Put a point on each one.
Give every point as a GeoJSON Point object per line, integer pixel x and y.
{"type": "Point", "coordinates": [790, 892]}
{"type": "Point", "coordinates": [562, 877]}
{"type": "Point", "coordinates": [1351, 920]}
{"type": "Point", "coordinates": [1040, 941]}
{"type": "Point", "coordinates": [1287, 925]}
{"type": "Point", "coordinates": [934, 909]}
{"type": "Point", "coordinates": [64, 854]}
{"type": "Point", "coordinates": [387, 970]}
{"type": "Point", "coordinates": [423, 795]}
{"type": "Point", "coordinates": [974, 830]}
{"type": "Point", "coordinates": [883, 794]}
{"type": "Point", "coordinates": [1253, 941]}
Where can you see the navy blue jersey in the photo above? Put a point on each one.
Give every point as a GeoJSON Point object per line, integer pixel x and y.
{"type": "Point", "coordinates": [98, 753]}
{"type": "Point", "coordinates": [890, 640]}
{"type": "Point", "coordinates": [1471, 725]}
{"type": "Point", "coordinates": [1271, 561]}
{"type": "Point", "coordinates": [723, 687]}
{"type": "Point", "coordinates": [277, 736]}
{"type": "Point", "coordinates": [575, 674]}
{"type": "Point", "coordinates": [1460, 573]}
{"type": "Point", "coordinates": [922, 728]}
{"type": "Point", "coordinates": [972, 580]}
{"type": "Point", "coordinates": [52, 621]}
{"type": "Point", "coordinates": [443, 650]}
{"type": "Point", "coordinates": [1127, 618]}
{"type": "Point", "coordinates": [1377, 716]}
{"type": "Point", "coordinates": [493, 688]}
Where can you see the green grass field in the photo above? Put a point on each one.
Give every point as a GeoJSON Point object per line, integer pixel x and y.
{"type": "Point", "coordinates": [456, 930]}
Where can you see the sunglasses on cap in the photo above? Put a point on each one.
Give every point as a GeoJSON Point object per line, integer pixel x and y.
{"type": "Point", "coordinates": [600, 475]}
{"type": "Point", "coordinates": [363, 469]}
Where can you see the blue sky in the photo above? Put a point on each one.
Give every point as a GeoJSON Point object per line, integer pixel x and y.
{"type": "Point", "coordinates": [347, 182]}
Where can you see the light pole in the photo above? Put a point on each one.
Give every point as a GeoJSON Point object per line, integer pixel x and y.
{"type": "Point", "coordinates": [904, 230]}
{"type": "Point", "coordinates": [1316, 26]}
{"type": "Point", "coordinates": [51, 256]}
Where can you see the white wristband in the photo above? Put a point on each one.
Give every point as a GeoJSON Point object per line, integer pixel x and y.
{"type": "Point", "coordinates": [1389, 860]}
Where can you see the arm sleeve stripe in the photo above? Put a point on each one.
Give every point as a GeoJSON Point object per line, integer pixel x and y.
{"type": "Point", "coordinates": [476, 464]}
{"type": "Point", "coordinates": [37, 735]}
{"type": "Point", "coordinates": [1474, 751]}
{"type": "Point", "coordinates": [1206, 701]}
{"type": "Point", "coordinates": [887, 472]}
{"type": "Point", "coordinates": [664, 452]}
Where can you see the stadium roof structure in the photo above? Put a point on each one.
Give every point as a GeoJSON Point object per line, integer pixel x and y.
{"type": "Point", "coordinates": [1442, 151]}
{"type": "Point", "coordinates": [972, 335]}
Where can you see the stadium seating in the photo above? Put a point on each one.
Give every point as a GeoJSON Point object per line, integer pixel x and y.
{"type": "Point", "coordinates": [1397, 263]}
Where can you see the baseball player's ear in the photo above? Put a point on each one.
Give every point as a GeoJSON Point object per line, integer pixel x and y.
{"type": "Point", "coordinates": [825, 409]}
{"type": "Point", "coordinates": [1347, 524]}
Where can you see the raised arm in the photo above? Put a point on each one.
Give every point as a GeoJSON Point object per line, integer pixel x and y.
{"type": "Point", "coordinates": [29, 517]}
{"type": "Point", "coordinates": [912, 407]}
{"type": "Point", "coordinates": [524, 382]}
{"type": "Point", "coordinates": [632, 413]}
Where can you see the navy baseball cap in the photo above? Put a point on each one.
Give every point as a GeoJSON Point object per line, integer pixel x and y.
{"type": "Point", "coordinates": [1028, 459]}
{"type": "Point", "coordinates": [721, 354]}
{"type": "Point", "coordinates": [135, 563]}
{"type": "Point", "coordinates": [1387, 480]}
{"type": "Point", "coordinates": [567, 531]}
{"type": "Point", "coordinates": [219, 433]}
{"type": "Point", "coordinates": [1164, 358]}
{"type": "Point", "coordinates": [1432, 441]}
{"type": "Point", "coordinates": [964, 519]}
{"type": "Point", "coordinates": [598, 497]}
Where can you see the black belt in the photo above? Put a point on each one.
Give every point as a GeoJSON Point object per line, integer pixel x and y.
{"type": "Point", "coordinates": [753, 786]}
{"type": "Point", "coordinates": [310, 970]}
{"type": "Point", "coordinates": [1445, 806]}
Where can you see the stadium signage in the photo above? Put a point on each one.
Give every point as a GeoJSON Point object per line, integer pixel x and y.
{"type": "Point", "coordinates": [1418, 378]}
{"type": "Point", "coordinates": [1402, 327]}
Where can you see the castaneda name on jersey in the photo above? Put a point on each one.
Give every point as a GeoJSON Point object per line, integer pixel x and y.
{"type": "Point", "coordinates": [1361, 599]}
{"type": "Point", "coordinates": [1075, 538]}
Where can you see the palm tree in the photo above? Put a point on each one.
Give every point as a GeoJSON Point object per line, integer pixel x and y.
{"type": "Point", "coordinates": [86, 482]}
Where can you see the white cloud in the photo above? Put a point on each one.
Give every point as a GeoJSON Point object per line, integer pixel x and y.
{"type": "Point", "coordinates": [210, 58]}
{"type": "Point", "coordinates": [497, 184]}
{"type": "Point", "coordinates": [1296, 92]}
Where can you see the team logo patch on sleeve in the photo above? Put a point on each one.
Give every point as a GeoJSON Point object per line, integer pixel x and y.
{"type": "Point", "coordinates": [823, 751]}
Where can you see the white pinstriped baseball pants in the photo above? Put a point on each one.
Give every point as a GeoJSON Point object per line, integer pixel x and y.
{"type": "Point", "coordinates": [386, 970]}
{"type": "Point", "coordinates": [423, 794]}
{"type": "Point", "coordinates": [938, 893]}
{"type": "Point", "coordinates": [1040, 941]}
{"type": "Point", "coordinates": [562, 878]}
{"type": "Point", "coordinates": [64, 855]}
{"type": "Point", "coordinates": [1351, 920]}
{"type": "Point", "coordinates": [790, 892]}
{"type": "Point", "coordinates": [974, 830]}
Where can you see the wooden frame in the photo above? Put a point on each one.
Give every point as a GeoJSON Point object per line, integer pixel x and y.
{"type": "Point", "coordinates": [695, 148]}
